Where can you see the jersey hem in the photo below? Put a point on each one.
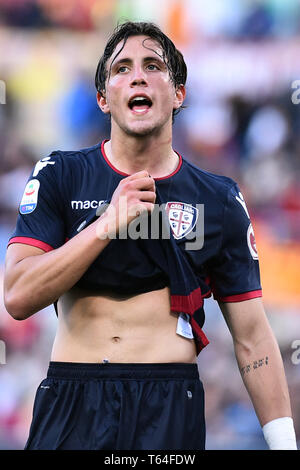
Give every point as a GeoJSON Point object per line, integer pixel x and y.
{"type": "Point", "coordinates": [240, 297]}
{"type": "Point", "coordinates": [32, 242]}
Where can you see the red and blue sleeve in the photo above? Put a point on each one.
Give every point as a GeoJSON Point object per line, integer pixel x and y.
{"type": "Point", "coordinates": [235, 274]}
{"type": "Point", "coordinates": [40, 220]}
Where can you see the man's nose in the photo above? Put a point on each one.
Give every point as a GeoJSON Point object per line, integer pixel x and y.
{"type": "Point", "coordinates": [138, 77]}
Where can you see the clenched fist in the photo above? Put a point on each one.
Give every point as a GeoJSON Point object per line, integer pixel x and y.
{"type": "Point", "coordinates": [134, 196]}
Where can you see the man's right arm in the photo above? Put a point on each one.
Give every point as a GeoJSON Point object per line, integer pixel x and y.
{"type": "Point", "coordinates": [35, 279]}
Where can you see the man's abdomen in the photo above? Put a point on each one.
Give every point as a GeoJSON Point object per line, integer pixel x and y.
{"type": "Point", "coordinates": [107, 327]}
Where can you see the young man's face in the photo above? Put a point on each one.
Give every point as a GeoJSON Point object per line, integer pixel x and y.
{"type": "Point", "coordinates": [139, 93]}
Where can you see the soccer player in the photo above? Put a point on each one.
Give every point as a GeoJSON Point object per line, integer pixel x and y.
{"type": "Point", "coordinates": [123, 372]}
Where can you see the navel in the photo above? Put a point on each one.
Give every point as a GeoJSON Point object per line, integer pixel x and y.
{"type": "Point", "coordinates": [116, 339]}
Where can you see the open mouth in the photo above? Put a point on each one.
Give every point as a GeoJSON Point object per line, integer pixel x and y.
{"type": "Point", "coordinates": [140, 104]}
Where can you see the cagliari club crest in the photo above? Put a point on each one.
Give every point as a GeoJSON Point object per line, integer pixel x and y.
{"type": "Point", "coordinates": [182, 218]}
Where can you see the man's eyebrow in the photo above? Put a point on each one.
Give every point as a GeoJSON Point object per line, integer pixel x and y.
{"type": "Point", "coordinates": [124, 60]}
{"type": "Point", "coordinates": [155, 58]}
{"type": "Point", "coordinates": [128, 60]}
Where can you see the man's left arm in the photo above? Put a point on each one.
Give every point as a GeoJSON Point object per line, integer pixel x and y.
{"type": "Point", "coordinates": [261, 367]}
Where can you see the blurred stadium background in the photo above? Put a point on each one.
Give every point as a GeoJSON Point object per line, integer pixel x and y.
{"type": "Point", "coordinates": [240, 121]}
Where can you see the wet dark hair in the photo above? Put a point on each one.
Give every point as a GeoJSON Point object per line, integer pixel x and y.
{"type": "Point", "coordinates": [172, 57]}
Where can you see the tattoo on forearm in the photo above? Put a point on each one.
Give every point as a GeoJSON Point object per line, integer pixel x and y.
{"type": "Point", "coordinates": [254, 365]}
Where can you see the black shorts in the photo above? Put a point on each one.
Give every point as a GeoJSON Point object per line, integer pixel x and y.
{"type": "Point", "coordinates": [119, 407]}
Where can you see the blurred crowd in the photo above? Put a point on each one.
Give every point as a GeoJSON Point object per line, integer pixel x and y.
{"type": "Point", "coordinates": [242, 119]}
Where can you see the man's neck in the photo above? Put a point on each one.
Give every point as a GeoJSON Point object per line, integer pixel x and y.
{"type": "Point", "coordinates": [130, 155]}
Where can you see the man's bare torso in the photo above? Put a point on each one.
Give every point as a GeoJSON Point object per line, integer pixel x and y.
{"type": "Point", "coordinates": [94, 328]}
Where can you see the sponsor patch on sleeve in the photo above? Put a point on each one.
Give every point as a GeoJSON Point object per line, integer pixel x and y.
{"type": "Point", "coordinates": [30, 197]}
{"type": "Point", "coordinates": [251, 242]}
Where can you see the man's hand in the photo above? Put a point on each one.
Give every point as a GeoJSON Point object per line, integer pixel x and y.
{"type": "Point", "coordinates": [134, 196]}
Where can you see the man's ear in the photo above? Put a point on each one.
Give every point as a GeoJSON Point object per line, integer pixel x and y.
{"type": "Point", "coordinates": [179, 98]}
{"type": "Point", "coordinates": [102, 103]}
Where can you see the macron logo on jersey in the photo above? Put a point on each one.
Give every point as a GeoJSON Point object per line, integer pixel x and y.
{"type": "Point", "coordinates": [79, 205]}
{"type": "Point", "coordinates": [241, 200]}
{"type": "Point", "coordinates": [41, 164]}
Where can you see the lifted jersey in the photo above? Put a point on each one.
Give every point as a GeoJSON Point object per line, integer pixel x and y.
{"type": "Point", "coordinates": [210, 248]}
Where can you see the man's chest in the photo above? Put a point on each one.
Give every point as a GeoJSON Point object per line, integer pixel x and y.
{"type": "Point", "coordinates": [182, 212]}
